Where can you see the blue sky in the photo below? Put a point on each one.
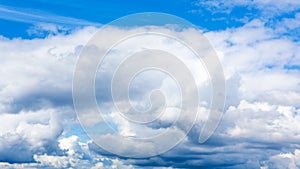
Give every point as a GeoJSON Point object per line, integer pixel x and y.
{"type": "Point", "coordinates": [103, 12]}
{"type": "Point", "coordinates": [257, 43]}
{"type": "Point", "coordinates": [24, 15]}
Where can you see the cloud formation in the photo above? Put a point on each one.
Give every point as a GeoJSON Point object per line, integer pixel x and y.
{"type": "Point", "coordinates": [260, 126]}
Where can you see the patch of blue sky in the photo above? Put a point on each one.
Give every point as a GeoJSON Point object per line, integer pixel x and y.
{"type": "Point", "coordinates": [292, 67]}
{"type": "Point", "coordinates": [14, 29]}
{"type": "Point", "coordinates": [99, 128]}
{"type": "Point", "coordinates": [77, 130]}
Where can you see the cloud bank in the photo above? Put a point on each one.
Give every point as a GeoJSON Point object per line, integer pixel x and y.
{"type": "Point", "coordinates": [259, 129]}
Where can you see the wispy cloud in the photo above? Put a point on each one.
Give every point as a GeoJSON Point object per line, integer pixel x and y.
{"type": "Point", "coordinates": [33, 16]}
{"type": "Point", "coordinates": [267, 8]}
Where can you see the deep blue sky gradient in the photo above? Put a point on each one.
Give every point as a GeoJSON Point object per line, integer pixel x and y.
{"type": "Point", "coordinates": [103, 12]}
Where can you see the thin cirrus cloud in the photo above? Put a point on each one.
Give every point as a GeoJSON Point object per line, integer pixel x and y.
{"type": "Point", "coordinates": [35, 16]}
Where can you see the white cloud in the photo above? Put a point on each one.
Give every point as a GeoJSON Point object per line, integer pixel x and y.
{"type": "Point", "coordinates": [74, 157]}
{"type": "Point", "coordinates": [71, 145]}
{"type": "Point", "coordinates": [25, 133]}
{"type": "Point", "coordinates": [39, 71]}
{"type": "Point", "coordinates": [115, 164]}
{"type": "Point", "coordinates": [77, 157]}
{"type": "Point", "coordinates": [254, 54]}
{"type": "Point", "coordinates": [263, 122]}
{"type": "Point", "coordinates": [53, 161]}
{"type": "Point", "coordinates": [262, 116]}
{"type": "Point", "coordinates": [35, 93]}
{"type": "Point", "coordinates": [284, 160]}
{"type": "Point", "coordinates": [6, 165]}
{"type": "Point", "coordinates": [268, 8]}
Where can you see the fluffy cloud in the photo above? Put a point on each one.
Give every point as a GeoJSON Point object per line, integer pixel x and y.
{"type": "Point", "coordinates": [282, 160]}
{"type": "Point", "coordinates": [28, 132]}
{"type": "Point", "coordinates": [35, 93]}
{"type": "Point", "coordinates": [39, 72]}
{"type": "Point", "coordinates": [259, 129]}
{"type": "Point", "coordinates": [251, 135]}
{"type": "Point", "coordinates": [247, 57]}
{"type": "Point", "coordinates": [75, 155]}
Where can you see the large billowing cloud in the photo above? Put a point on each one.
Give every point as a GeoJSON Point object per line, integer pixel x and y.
{"type": "Point", "coordinates": [260, 126]}
{"type": "Point", "coordinates": [35, 99]}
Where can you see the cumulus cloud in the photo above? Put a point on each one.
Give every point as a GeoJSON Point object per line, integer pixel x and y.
{"type": "Point", "coordinates": [39, 73]}
{"type": "Point", "coordinates": [284, 160]}
{"type": "Point", "coordinates": [75, 155]}
{"type": "Point", "coordinates": [24, 133]}
{"type": "Point", "coordinates": [246, 56]}
{"type": "Point", "coordinates": [259, 129]}
{"type": "Point", "coordinates": [262, 112]}
{"type": "Point", "coordinates": [35, 99]}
